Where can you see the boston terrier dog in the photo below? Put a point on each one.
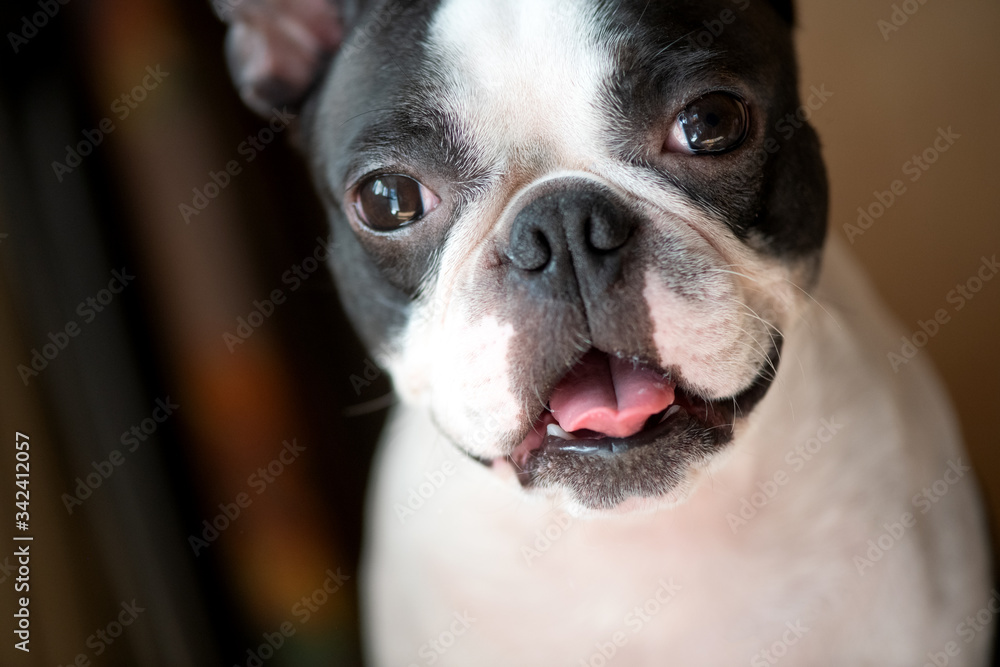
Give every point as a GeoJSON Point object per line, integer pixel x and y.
{"type": "Point", "coordinates": [646, 415]}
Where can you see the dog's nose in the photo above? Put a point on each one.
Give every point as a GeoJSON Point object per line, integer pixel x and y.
{"type": "Point", "coordinates": [571, 233]}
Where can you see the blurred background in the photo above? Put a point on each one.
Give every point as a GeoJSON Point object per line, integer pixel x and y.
{"type": "Point", "coordinates": [201, 418]}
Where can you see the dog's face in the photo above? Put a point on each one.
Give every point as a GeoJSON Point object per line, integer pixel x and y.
{"type": "Point", "coordinates": [575, 228]}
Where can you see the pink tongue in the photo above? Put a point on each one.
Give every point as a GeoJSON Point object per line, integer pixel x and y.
{"type": "Point", "coordinates": [610, 396]}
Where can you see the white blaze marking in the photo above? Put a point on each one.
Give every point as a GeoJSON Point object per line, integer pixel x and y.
{"type": "Point", "coordinates": [525, 73]}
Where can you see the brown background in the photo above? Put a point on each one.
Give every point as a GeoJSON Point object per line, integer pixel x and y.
{"type": "Point", "coordinates": [890, 96]}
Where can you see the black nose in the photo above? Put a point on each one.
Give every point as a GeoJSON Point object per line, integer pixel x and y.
{"type": "Point", "coordinates": [572, 234]}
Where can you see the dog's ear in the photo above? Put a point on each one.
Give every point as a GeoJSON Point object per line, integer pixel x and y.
{"type": "Point", "coordinates": [785, 9]}
{"type": "Point", "coordinates": [277, 49]}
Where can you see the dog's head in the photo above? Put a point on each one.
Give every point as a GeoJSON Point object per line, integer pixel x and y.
{"type": "Point", "coordinates": [575, 228]}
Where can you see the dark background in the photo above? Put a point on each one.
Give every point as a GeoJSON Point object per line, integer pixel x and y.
{"type": "Point", "coordinates": [301, 375]}
{"type": "Point", "coordinates": [162, 338]}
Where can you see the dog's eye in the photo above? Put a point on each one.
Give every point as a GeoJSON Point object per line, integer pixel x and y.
{"type": "Point", "coordinates": [714, 123]}
{"type": "Point", "coordinates": [390, 201]}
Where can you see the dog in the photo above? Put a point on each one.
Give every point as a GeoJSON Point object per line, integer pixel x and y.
{"type": "Point", "coordinates": [646, 415]}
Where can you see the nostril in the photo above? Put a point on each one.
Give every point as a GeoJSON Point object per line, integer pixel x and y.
{"type": "Point", "coordinates": [607, 232]}
{"type": "Point", "coordinates": [570, 230]}
{"type": "Point", "coordinates": [530, 251]}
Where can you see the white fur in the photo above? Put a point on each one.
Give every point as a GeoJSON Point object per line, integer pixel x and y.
{"type": "Point", "coordinates": [463, 550]}
{"type": "Point", "coordinates": [495, 52]}
{"type": "Point", "coordinates": [523, 76]}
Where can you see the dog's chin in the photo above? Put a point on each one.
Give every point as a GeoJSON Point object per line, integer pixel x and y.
{"type": "Point", "coordinates": [569, 500]}
{"type": "Point", "coordinates": [653, 468]}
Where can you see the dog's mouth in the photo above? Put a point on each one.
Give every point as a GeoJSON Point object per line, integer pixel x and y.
{"type": "Point", "coordinates": [600, 407]}
{"type": "Point", "coordinates": [614, 429]}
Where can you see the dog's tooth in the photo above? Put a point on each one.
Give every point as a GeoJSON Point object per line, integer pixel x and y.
{"type": "Point", "coordinates": [672, 410]}
{"type": "Point", "coordinates": [557, 431]}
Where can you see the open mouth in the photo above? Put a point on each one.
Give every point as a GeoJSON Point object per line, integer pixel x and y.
{"type": "Point", "coordinates": [613, 429]}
